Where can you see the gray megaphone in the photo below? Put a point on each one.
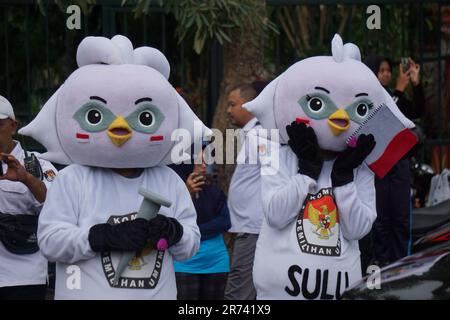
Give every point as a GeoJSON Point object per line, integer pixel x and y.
{"type": "Point", "coordinates": [150, 206]}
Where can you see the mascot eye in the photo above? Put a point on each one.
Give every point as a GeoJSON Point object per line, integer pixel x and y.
{"type": "Point", "coordinates": [362, 109]}
{"type": "Point", "coordinates": [359, 111]}
{"type": "Point", "coordinates": [94, 116]}
{"type": "Point", "coordinates": [146, 118]}
{"type": "Point", "coordinates": [315, 104]}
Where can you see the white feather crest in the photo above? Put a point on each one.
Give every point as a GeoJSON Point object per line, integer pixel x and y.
{"type": "Point", "coordinates": [119, 50]}
{"type": "Point", "coordinates": [341, 52]}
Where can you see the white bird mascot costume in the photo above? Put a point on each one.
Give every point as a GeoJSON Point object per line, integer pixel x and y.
{"type": "Point", "coordinates": [116, 111]}
{"type": "Point", "coordinates": [321, 199]}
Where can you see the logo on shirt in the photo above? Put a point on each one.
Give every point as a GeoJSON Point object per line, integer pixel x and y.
{"type": "Point", "coordinates": [50, 175]}
{"type": "Point", "coordinates": [144, 269]}
{"type": "Point", "coordinates": [318, 225]}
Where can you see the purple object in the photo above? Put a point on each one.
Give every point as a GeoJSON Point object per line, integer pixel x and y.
{"type": "Point", "coordinates": [162, 244]}
{"type": "Point", "coordinates": [352, 142]}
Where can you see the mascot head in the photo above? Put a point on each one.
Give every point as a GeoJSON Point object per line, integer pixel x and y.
{"type": "Point", "coordinates": [117, 110]}
{"type": "Point", "coordinates": [333, 94]}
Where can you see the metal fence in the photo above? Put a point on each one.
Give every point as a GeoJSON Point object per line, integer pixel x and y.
{"type": "Point", "coordinates": [38, 51]}
{"type": "Point", "coordinates": [420, 29]}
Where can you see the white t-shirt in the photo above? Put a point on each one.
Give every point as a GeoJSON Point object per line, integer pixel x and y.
{"type": "Point", "coordinates": [308, 245]}
{"type": "Point", "coordinates": [84, 196]}
{"type": "Point", "coordinates": [16, 198]}
{"type": "Point", "coordinates": [244, 194]}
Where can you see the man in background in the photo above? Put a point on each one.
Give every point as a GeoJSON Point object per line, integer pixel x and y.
{"type": "Point", "coordinates": [23, 269]}
{"type": "Point", "coordinates": [244, 200]}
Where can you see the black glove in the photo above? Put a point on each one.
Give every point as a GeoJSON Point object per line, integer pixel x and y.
{"type": "Point", "coordinates": [303, 142]}
{"type": "Point", "coordinates": [126, 236]}
{"type": "Point", "coordinates": [350, 159]}
{"type": "Point", "coordinates": [164, 227]}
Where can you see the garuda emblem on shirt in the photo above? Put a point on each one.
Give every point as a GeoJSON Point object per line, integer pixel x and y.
{"type": "Point", "coordinates": [323, 220]}
{"type": "Point", "coordinates": [317, 225]}
{"type": "Point", "coordinates": [143, 271]}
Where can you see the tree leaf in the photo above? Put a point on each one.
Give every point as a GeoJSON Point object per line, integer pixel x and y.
{"type": "Point", "coordinates": [199, 41]}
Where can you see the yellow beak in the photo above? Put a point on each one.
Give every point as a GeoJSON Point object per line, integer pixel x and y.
{"type": "Point", "coordinates": [339, 122]}
{"type": "Point", "coordinates": [119, 131]}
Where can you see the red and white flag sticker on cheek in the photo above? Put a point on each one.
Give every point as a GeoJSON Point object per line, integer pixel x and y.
{"type": "Point", "coordinates": [82, 137]}
{"type": "Point", "coordinates": [302, 120]}
{"type": "Point", "coordinates": [156, 138]}
{"type": "Point", "coordinates": [50, 175]}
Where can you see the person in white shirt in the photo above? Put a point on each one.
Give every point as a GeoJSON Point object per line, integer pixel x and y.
{"type": "Point", "coordinates": [112, 122]}
{"type": "Point", "coordinates": [244, 200]}
{"type": "Point", "coordinates": [319, 198]}
{"type": "Point", "coordinates": [23, 269]}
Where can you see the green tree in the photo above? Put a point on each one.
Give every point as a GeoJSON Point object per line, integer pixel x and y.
{"type": "Point", "coordinates": [240, 26]}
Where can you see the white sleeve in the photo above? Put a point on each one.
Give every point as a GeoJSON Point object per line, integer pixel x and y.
{"type": "Point", "coordinates": [357, 204]}
{"type": "Point", "coordinates": [59, 236]}
{"type": "Point", "coordinates": [186, 215]}
{"type": "Point", "coordinates": [283, 189]}
{"type": "Point", "coordinates": [49, 174]}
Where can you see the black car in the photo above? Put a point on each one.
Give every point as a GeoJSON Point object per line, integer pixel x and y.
{"type": "Point", "coordinates": [424, 275]}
